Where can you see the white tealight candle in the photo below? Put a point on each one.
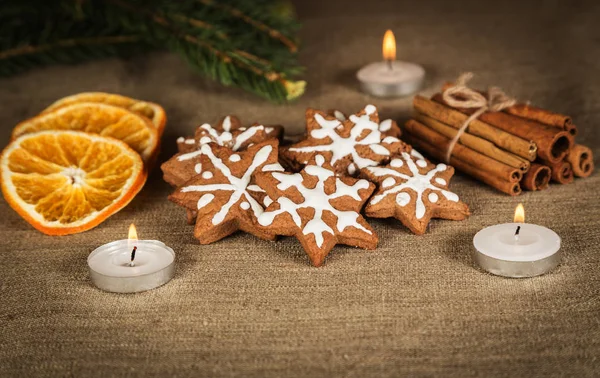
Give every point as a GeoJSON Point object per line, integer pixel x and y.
{"type": "Point", "coordinates": [131, 265]}
{"type": "Point", "coordinates": [517, 249]}
{"type": "Point", "coordinates": [390, 78]}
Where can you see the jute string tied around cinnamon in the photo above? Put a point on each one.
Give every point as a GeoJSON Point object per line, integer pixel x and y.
{"type": "Point", "coordinates": [461, 96]}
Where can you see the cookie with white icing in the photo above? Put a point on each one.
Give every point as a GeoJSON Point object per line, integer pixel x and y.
{"type": "Point", "coordinates": [413, 191]}
{"type": "Point", "coordinates": [387, 125]}
{"type": "Point", "coordinates": [350, 144]}
{"type": "Point", "coordinates": [224, 195]}
{"type": "Point", "coordinates": [229, 133]}
{"type": "Point", "coordinates": [317, 206]}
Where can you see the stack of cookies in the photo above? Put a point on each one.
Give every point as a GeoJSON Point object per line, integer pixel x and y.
{"type": "Point", "coordinates": [229, 177]}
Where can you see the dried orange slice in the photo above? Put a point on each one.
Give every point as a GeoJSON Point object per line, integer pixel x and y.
{"type": "Point", "coordinates": [150, 110]}
{"type": "Point", "coordinates": [106, 120]}
{"type": "Point", "coordinates": [64, 182]}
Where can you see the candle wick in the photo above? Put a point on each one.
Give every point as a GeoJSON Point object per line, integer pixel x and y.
{"type": "Point", "coordinates": [517, 233]}
{"type": "Point", "coordinates": [389, 64]}
{"type": "Point", "coordinates": [132, 256]}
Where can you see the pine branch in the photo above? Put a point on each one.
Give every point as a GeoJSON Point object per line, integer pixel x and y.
{"type": "Point", "coordinates": [236, 43]}
{"type": "Point", "coordinates": [293, 47]}
{"type": "Point", "coordinates": [72, 42]}
{"type": "Point", "coordinates": [220, 64]}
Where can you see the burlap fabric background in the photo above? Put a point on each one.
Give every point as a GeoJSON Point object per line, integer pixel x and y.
{"type": "Point", "coordinates": [244, 307]}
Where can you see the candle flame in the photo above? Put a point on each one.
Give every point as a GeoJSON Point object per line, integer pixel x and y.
{"type": "Point", "coordinates": [389, 46]}
{"type": "Point", "coordinates": [132, 232]}
{"type": "Point", "coordinates": [519, 214]}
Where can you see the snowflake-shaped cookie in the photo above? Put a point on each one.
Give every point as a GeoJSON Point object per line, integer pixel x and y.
{"type": "Point", "coordinates": [349, 144]}
{"type": "Point", "coordinates": [228, 133]}
{"type": "Point", "coordinates": [223, 194]}
{"type": "Point", "coordinates": [385, 126]}
{"type": "Point", "coordinates": [413, 191]}
{"type": "Point", "coordinates": [318, 207]}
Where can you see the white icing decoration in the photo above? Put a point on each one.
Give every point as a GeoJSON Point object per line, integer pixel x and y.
{"type": "Point", "coordinates": [416, 154]}
{"type": "Point", "coordinates": [339, 115]}
{"type": "Point", "coordinates": [421, 163]}
{"type": "Point", "coordinates": [432, 197]}
{"type": "Point", "coordinates": [234, 158]}
{"type": "Point", "coordinates": [396, 163]}
{"type": "Point", "coordinates": [352, 169]}
{"type": "Point", "coordinates": [341, 147]}
{"type": "Point", "coordinates": [207, 175]}
{"type": "Point", "coordinates": [227, 124]}
{"type": "Point", "coordinates": [267, 201]}
{"type": "Point", "coordinates": [318, 200]}
{"type": "Point", "coordinates": [390, 140]}
{"type": "Point", "coordinates": [198, 168]}
{"type": "Point", "coordinates": [385, 125]}
{"type": "Point", "coordinates": [403, 199]}
{"type": "Point", "coordinates": [273, 167]}
{"type": "Point", "coordinates": [256, 188]}
{"type": "Point", "coordinates": [226, 136]}
{"type": "Point", "coordinates": [417, 183]}
{"type": "Point", "coordinates": [244, 136]}
{"type": "Point", "coordinates": [222, 138]}
{"type": "Point", "coordinates": [440, 181]}
{"type": "Point", "coordinates": [379, 149]}
{"type": "Point", "coordinates": [205, 200]}
{"type": "Point", "coordinates": [269, 130]}
{"type": "Point", "coordinates": [389, 181]}
{"type": "Point", "coordinates": [180, 139]}
{"type": "Point", "coordinates": [238, 186]}
{"type": "Point", "coordinates": [320, 160]}
{"type": "Point", "coordinates": [245, 205]}
{"type": "Point", "coordinates": [370, 109]}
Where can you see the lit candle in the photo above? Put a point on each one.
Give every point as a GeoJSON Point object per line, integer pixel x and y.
{"type": "Point", "coordinates": [132, 265]}
{"type": "Point", "coordinates": [517, 249]}
{"type": "Point", "coordinates": [390, 78]}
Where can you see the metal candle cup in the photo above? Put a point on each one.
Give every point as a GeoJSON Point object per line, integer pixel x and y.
{"type": "Point", "coordinates": [517, 249]}
{"type": "Point", "coordinates": [113, 266]}
{"type": "Point", "coordinates": [390, 78]}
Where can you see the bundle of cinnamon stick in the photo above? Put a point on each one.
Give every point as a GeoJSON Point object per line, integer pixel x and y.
{"type": "Point", "coordinates": [520, 147]}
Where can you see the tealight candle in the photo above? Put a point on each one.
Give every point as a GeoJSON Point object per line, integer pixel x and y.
{"type": "Point", "coordinates": [517, 249]}
{"type": "Point", "coordinates": [390, 78]}
{"type": "Point", "coordinates": [131, 266]}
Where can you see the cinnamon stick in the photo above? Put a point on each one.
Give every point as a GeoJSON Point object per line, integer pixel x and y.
{"type": "Point", "coordinates": [552, 143]}
{"type": "Point", "coordinates": [476, 143]}
{"type": "Point", "coordinates": [582, 160]}
{"type": "Point", "coordinates": [543, 116]}
{"type": "Point", "coordinates": [511, 143]}
{"type": "Point", "coordinates": [533, 113]}
{"type": "Point", "coordinates": [511, 188]}
{"type": "Point", "coordinates": [561, 172]}
{"type": "Point", "coordinates": [537, 178]}
{"type": "Point", "coordinates": [479, 161]}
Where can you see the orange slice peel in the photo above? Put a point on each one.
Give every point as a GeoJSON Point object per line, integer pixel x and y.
{"type": "Point", "coordinates": [150, 110]}
{"type": "Point", "coordinates": [65, 182]}
{"type": "Point", "coordinates": [97, 118]}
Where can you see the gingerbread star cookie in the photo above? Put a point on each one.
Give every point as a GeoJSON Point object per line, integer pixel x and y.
{"type": "Point", "coordinates": [223, 195]}
{"type": "Point", "coordinates": [348, 144]}
{"type": "Point", "coordinates": [413, 191]}
{"type": "Point", "coordinates": [318, 207]}
{"type": "Point", "coordinates": [228, 133]}
{"type": "Point", "coordinates": [387, 125]}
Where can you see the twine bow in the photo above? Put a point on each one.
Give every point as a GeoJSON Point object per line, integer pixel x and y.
{"type": "Point", "coordinates": [461, 96]}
